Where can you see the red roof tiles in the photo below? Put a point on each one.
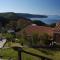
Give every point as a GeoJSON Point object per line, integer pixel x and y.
{"type": "Point", "coordinates": [39, 29]}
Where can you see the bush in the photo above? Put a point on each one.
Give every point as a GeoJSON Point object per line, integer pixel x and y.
{"type": "Point", "coordinates": [35, 39]}
{"type": "Point", "coordinates": [40, 39]}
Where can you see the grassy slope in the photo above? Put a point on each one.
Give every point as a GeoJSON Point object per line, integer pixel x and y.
{"type": "Point", "coordinates": [55, 55]}
{"type": "Point", "coordinates": [30, 57]}
{"type": "Point", "coordinates": [6, 53]}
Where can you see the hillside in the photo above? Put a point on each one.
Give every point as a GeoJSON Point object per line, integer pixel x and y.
{"type": "Point", "coordinates": [31, 15]}
{"type": "Point", "coordinates": [11, 20]}
{"type": "Point", "coordinates": [38, 22]}
{"type": "Point", "coordinates": [13, 15]}
{"type": "Point", "coordinates": [9, 15]}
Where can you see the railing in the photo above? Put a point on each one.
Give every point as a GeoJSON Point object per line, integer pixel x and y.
{"type": "Point", "coordinates": [20, 50]}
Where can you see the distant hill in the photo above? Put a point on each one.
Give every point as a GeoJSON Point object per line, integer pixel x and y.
{"type": "Point", "coordinates": [49, 19]}
{"type": "Point", "coordinates": [38, 22]}
{"type": "Point", "coordinates": [31, 15]}
{"type": "Point", "coordinates": [13, 15]}
{"type": "Point", "coordinates": [52, 25]}
{"type": "Point", "coordinates": [12, 21]}
{"type": "Point", "coordinates": [17, 20]}
{"type": "Point", "coordinates": [9, 15]}
{"type": "Point", "coordinates": [3, 21]}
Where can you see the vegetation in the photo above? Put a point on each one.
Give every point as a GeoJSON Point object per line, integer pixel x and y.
{"type": "Point", "coordinates": [52, 25]}
{"type": "Point", "coordinates": [37, 38]}
{"type": "Point", "coordinates": [39, 23]}
{"type": "Point", "coordinates": [10, 53]}
{"type": "Point", "coordinates": [14, 22]}
{"type": "Point", "coordinates": [15, 15]}
{"type": "Point", "coordinates": [40, 39]}
{"type": "Point", "coordinates": [34, 39]}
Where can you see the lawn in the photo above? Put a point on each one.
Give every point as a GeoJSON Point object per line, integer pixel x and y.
{"type": "Point", "coordinates": [30, 57]}
{"type": "Point", "coordinates": [6, 53]}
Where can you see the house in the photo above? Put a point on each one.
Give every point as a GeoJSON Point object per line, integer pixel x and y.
{"type": "Point", "coordinates": [31, 29]}
{"type": "Point", "coordinates": [53, 32]}
{"type": "Point", "coordinates": [35, 28]}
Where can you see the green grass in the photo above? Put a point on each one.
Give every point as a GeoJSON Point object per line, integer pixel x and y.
{"type": "Point", "coordinates": [7, 53]}
{"type": "Point", "coordinates": [30, 57]}
{"type": "Point", "coordinates": [55, 55]}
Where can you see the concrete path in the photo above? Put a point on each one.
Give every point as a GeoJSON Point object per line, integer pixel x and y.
{"type": "Point", "coordinates": [3, 59]}
{"type": "Point", "coordinates": [2, 43]}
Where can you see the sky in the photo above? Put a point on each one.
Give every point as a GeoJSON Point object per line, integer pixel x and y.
{"type": "Point", "coordinates": [44, 7]}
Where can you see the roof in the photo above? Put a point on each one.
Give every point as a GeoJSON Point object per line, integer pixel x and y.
{"type": "Point", "coordinates": [40, 29]}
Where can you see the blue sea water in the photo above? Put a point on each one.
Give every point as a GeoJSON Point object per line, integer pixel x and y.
{"type": "Point", "coordinates": [49, 20]}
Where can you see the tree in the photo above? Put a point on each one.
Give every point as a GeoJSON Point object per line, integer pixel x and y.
{"type": "Point", "coordinates": [46, 38]}
{"type": "Point", "coordinates": [40, 39]}
{"type": "Point", "coordinates": [8, 36]}
{"type": "Point", "coordinates": [38, 22]}
{"type": "Point", "coordinates": [52, 25]}
{"type": "Point", "coordinates": [35, 38]}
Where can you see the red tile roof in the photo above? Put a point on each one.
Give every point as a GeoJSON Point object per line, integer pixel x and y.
{"type": "Point", "coordinates": [40, 29]}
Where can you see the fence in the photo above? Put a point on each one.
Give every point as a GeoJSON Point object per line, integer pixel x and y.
{"type": "Point", "coordinates": [20, 50]}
